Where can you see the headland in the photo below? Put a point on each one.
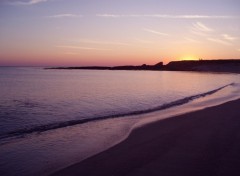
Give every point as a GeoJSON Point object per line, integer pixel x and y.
{"type": "Point", "coordinates": [221, 65]}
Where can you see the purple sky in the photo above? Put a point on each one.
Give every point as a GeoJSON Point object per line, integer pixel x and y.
{"type": "Point", "coordinates": [114, 32]}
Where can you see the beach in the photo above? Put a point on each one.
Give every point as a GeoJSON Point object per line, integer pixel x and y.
{"type": "Point", "coordinates": [204, 142]}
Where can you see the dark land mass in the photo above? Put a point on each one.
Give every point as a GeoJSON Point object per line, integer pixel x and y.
{"type": "Point", "coordinates": [231, 66]}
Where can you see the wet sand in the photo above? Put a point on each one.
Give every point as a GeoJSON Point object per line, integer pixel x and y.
{"type": "Point", "coordinates": [201, 143]}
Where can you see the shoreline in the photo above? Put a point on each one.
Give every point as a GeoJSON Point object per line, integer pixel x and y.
{"type": "Point", "coordinates": [203, 142]}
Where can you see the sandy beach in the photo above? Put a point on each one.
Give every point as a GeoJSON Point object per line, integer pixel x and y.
{"type": "Point", "coordinates": [204, 142]}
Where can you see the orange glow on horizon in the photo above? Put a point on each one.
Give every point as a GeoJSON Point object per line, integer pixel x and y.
{"type": "Point", "coordinates": [189, 57]}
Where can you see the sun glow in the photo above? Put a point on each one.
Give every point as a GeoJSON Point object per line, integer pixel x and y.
{"type": "Point", "coordinates": [189, 58]}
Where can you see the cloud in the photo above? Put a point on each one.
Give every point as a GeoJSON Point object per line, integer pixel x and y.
{"type": "Point", "coordinates": [81, 48]}
{"type": "Point", "coordinates": [228, 37]}
{"type": "Point", "coordinates": [238, 49]}
{"type": "Point", "coordinates": [225, 39]}
{"type": "Point", "coordinates": [31, 2]}
{"type": "Point", "coordinates": [143, 41]}
{"type": "Point", "coordinates": [97, 42]}
{"type": "Point", "coordinates": [192, 40]}
{"type": "Point", "coordinates": [203, 30]}
{"type": "Point", "coordinates": [219, 41]}
{"type": "Point", "coordinates": [104, 42]}
{"type": "Point", "coordinates": [68, 15]}
{"type": "Point", "coordinates": [155, 32]}
{"type": "Point", "coordinates": [107, 15]}
{"type": "Point", "coordinates": [202, 27]}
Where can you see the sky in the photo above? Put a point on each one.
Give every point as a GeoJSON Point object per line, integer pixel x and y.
{"type": "Point", "coordinates": [117, 32]}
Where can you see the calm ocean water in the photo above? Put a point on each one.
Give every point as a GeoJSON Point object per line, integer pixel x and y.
{"type": "Point", "coordinates": [43, 113]}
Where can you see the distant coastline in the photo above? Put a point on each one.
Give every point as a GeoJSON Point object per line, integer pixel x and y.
{"type": "Point", "coordinates": [227, 66]}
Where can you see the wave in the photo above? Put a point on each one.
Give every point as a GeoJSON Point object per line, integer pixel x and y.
{"type": "Point", "coordinates": [47, 127]}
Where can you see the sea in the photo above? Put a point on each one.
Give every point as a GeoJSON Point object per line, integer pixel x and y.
{"type": "Point", "coordinates": [53, 118]}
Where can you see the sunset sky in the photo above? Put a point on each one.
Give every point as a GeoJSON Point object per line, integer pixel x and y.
{"type": "Point", "coordinates": [117, 32]}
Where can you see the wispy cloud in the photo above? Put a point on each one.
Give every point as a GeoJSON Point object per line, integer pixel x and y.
{"type": "Point", "coordinates": [104, 42]}
{"type": "Point", "coordinates": [155, 32]}
{"type": "Point", "coordinates": [107, 15]}
{"type": "Point", "coordinates": [219, 41]}
{"type": "Point", "coordinates": [81, 48]}
{"type": "Point", "coordinates": [66, 15]}
{"type": "Point", "coordinates": [192, 40]}
{"type": "Point", "coordinates": [203, 30]}
{"type": "Point", "coordinates": [143, 41]}
{"type": "Point", "coordinates": [98, 42]}
{"type": "Point", "coordinates": [228, 37]}
{"type": "Point", "coordinates": [31, 2]}
{"type": "Point", "coordinates": [202, 27]}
